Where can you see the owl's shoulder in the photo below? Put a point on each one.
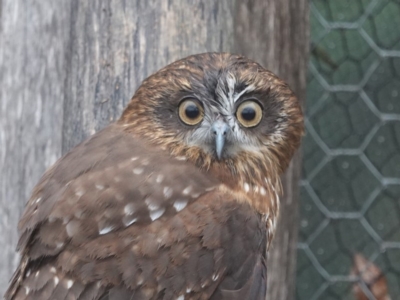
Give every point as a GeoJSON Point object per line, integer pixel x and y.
{"type": "Point", "coordinates": [112, 168]}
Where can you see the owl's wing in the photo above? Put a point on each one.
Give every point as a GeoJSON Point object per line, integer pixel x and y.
{"type": "Point", "coordinates": [117, 219]}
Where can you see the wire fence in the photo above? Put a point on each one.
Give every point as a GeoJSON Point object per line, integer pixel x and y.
{"type": "Point", "coordinates": [350, 190]}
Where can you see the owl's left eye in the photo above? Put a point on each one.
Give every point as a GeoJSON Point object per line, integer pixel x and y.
{"type": "Point", "coordinates": [191, 112]}
{"type": "Point", "coordinates": [249, 113]}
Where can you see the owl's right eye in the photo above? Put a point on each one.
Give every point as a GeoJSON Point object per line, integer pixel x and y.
{"type": "Point", "coordinates": [191, 112]}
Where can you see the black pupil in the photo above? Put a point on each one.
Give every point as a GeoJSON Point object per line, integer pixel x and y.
{"type": "Point", "coordinates": [192, 111]}
{"type": "Point", "coordinates": [248, 113]}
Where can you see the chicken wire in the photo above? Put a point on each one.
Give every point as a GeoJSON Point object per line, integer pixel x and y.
{"type": "Point", "coordinates": [350, 188]}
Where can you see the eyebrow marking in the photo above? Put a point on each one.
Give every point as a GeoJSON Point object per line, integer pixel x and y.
{"type": "Point", "coordinates": [249, 88]}
{"type": "Point", "coordinates": [225, 90]}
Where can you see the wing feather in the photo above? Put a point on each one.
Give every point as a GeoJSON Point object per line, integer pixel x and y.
{"type": "Point", "coordinates": [115, 218]}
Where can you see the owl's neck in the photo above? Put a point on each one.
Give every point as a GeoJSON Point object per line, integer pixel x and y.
{"type": "Point", "coordinates": [264, 188]}
{"type": "Point", "coordinates": [254, 177]}
{"type": "Point", "coordinates": [258, 182]}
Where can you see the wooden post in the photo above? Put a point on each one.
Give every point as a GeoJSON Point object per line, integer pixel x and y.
{"type": "Point", "coordinates": [275, 33]}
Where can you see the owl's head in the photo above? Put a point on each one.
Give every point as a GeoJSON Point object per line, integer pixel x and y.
{"type": "Point", "coordinates": [219, 109]}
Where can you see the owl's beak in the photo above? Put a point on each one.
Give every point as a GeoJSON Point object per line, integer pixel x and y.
{"type": "Point", "coordinates": [220, 129]}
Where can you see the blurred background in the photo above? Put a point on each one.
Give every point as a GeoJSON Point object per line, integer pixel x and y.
{"type": "Point", "coordinates": [68, 67]}
{"type": "Point", "coordinates": [350, 186]}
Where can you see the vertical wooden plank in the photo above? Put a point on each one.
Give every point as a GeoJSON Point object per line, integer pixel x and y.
{"type": "Point", "coordinates": [116, 44]}
{"type": "Point", "coordinates": [33, 42]}
{"type": "Point", "coordinates": [275, 33]}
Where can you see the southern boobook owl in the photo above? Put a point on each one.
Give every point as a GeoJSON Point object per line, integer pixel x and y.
{"type": "Point", "coordinates": [178, 199]}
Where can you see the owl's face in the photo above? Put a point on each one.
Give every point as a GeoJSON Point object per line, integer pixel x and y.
{"type": "Point", "coordinates": [223, 105]}
{"type": "Point", "coordinates": [224, 118]}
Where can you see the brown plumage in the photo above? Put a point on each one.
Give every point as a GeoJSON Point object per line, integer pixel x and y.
{"type": "Point", "coordinates": [176, 200]}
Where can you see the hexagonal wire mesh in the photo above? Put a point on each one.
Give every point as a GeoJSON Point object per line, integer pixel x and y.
{"type": "Point", "coordinates": [350, 200]}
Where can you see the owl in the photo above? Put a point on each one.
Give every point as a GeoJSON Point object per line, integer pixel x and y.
{"type": "Point", "coordinates": [178, 199]}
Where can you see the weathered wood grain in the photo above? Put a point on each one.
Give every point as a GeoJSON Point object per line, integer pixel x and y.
{"type": "Point", "coordinates": [116, 44]}
{"type": "Point", "coordinates": [33, 48]}
{"type": "Point", "coordinates": [275, 33]}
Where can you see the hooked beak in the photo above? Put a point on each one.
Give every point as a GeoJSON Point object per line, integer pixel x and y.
{"type": "Point", "coordinates": [220, 129]}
